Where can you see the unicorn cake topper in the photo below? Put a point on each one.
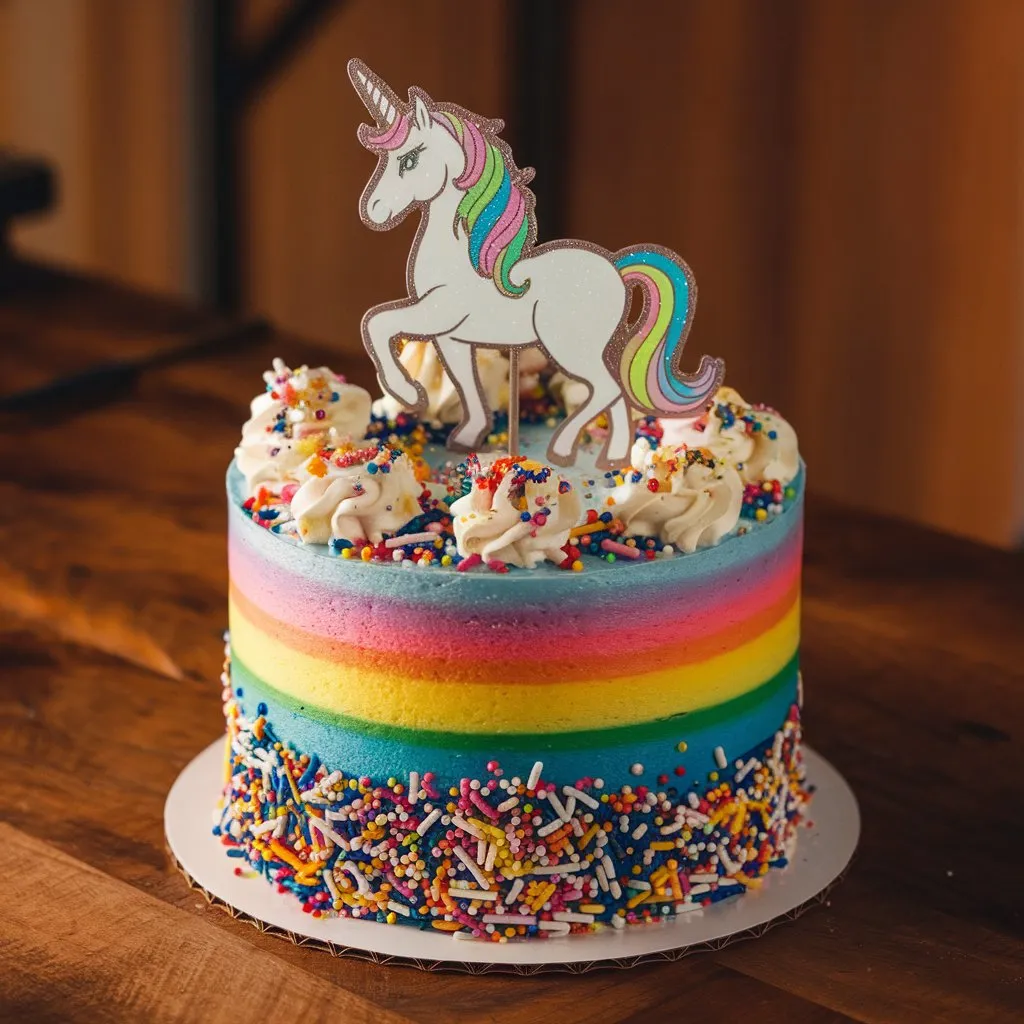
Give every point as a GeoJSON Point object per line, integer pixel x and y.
{"type": "Point", "coordinates": [475, 278]}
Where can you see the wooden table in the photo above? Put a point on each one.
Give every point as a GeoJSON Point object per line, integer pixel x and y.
{"type": "Point", "coordinates": [112, 589]}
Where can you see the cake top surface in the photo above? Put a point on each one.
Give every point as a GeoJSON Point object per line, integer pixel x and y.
{"type": "Point", "coordinates": [320, 466]}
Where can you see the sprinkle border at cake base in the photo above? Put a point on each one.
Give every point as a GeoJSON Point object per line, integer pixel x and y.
{"type": "Point", "coordinates": [504, 858]}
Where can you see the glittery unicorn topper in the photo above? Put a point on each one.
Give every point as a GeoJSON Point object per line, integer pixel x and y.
{"type": "Point", "coordinates": [476, 278]}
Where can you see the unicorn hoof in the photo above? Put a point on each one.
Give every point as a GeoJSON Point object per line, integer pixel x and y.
{"type": "Point", "coordinates": [561, 452]}
{"type": "Point", "coordinates": [466, 440]}
{"type": "Point", "coordinates": [615, 459]}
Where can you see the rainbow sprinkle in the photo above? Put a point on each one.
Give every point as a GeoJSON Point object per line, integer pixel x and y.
{"type": "Point", "coordinates": [302, 396]}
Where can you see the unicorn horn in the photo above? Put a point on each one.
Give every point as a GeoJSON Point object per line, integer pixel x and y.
{"type": "Point", "coordinates": [377, 97]}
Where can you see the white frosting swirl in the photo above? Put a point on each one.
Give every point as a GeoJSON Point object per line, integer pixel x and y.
{"type": "Point", "coordinates": [569, 392]}
{"type": "Point", "coordinates": [300, 411]}
{"type": "Point", "coordinates": [444, 406]}
{"type": "Point", "coordinates": [489, 522]}
{"type": "Point", "coordinates": [343, 498]}
{"type": "Point", "coordinates": [759, 443]}
{"type": "Point", "coordinates": [683, 496]}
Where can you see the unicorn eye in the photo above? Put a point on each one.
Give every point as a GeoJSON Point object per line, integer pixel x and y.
{"type": "Point", "coordinates": [409, 161]}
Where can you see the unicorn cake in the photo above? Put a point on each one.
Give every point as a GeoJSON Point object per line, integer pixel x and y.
{"type": "Point", "coordinates": [514, 645]}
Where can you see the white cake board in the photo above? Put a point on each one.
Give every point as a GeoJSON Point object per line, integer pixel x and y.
{"type": "Point", "coordinates": [822, 854]}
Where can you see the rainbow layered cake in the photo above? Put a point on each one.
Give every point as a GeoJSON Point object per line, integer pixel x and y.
{"type": "Point", "coordinates": [483, 695]}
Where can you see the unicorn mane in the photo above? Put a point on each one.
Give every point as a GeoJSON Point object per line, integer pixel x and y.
{"type": "Point", "coordinates": [390, 137]}
{"type": "Point", "coordinates": [497, 210]}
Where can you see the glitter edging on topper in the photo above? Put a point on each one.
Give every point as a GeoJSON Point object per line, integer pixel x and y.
{"type": "Point", "coordinates": [483, 282]}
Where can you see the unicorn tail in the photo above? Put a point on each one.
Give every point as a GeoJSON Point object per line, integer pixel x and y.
{"type": "Point", "coordinates": [649, 367]}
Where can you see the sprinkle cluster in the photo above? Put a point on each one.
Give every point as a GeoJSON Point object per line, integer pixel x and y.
{"type": "Point", "coordinates": [667, 461]}
{"type": "Point", "coordinates": [268, 507]}
{"type": "Point", "coordinates": [604, 536]}
{"type": "Point", "coordinates": [376, 459]}
{"type": "Point", "coordinates": [505, 858]}
{"type": "Point", "coordinates": [406, 431]}
{"type": "Point", "coordinates": [650, 428]}
{"type": "Point", "coordinates": [523, 471]}
{"type": "Point", "coordinates": [302, 396]}
{"type": "Point", "coordinates": [763, 500]}
{"type": "Point", "coordinates": [732, 413]}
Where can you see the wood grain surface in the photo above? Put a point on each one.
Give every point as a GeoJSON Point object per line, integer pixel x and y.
{"type": "Point", "coordinates": [112, 603]}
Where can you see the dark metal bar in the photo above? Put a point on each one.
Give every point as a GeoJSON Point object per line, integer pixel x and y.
{"type": "Point", "coordinates": [27, 186]}
{"type": "Point", "coordinates": [236, 80]}
{"type": "Point", "coordinates": [541, 87]}
{"type": "Point", "coordinates": [226, 183]}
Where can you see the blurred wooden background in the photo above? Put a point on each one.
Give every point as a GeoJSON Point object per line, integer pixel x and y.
{"type": "Point", "coordinates": [844, 176]}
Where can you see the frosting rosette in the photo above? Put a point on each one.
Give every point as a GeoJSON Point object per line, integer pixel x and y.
{"type": "Point", "coordinates": [355, 495]}
{"type": "Point", "coordinates": [684, 496]}
{"type": "Point", "coordinates": [755, 440]}
{"type": "Point", "coordinates": [444, 406]}
{"type": "Point", "coordinates": [569, 392]}
{"type": "Point", "coordinates": [517, 512]}
{"type": "Point", "coordinates": [299, 412]}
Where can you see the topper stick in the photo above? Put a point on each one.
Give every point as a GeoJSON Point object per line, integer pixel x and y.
{"type": "Point", "coordinates": [513, 401]}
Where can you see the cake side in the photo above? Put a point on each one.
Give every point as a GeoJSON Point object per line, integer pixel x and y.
{"type": "Point", "coordinates": [592, 672]}
{"type": "Point", "coordinates": [504, 701]}
{"type": "Point", "coordinates": [514, 756]}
